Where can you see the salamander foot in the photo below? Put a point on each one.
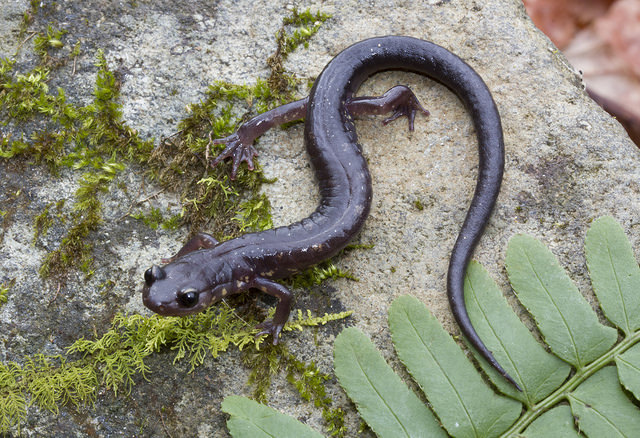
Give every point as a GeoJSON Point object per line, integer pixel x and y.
{"type": "Point", "coordinates": [270, 328]}
{"type": "Point", "coordinates": [238, 149]}
{"type": "Point", "coordinates": [407, 104]}
{"type": "Point", "coordinates": [400, 100]}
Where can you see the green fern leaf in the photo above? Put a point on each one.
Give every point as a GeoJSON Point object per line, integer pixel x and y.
{"type": "Point", "coordinates": [388, 406]}
{"type": "Point", "coordinates": [465, 404]}
{"type": "Point", "coordinates": [250, 419]}
{"type": "Point", "coordinates": [537, 372]}
{"type": "Point", "coordinates": [615, 274]}
{"type": "Point", "coordinates": [629, 370]}
{"type": "Point", "coordinates": [556, 404]}
{"type": "Point", "coordinates": [565, 319]}
{"type": "Point", "coordinates": [602, 409]}
{"type": "Point", "coordinates": [467, 407]}
{"type": "Point", "coordinates": [558, 422]}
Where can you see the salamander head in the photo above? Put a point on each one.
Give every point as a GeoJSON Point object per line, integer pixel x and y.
{"type": "Point", "coordinates": [175, 290]}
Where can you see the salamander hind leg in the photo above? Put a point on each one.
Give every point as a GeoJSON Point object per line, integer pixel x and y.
{"type": "Point", "coordinates": [239, 145]}
{"type": "Point", "coordinates": [239, 148]}
{"type": "Point", "coordinates": [399, 99]}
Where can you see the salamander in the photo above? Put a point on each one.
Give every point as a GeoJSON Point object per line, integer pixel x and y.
{"type": "Point", "coordinates": [205, 271]}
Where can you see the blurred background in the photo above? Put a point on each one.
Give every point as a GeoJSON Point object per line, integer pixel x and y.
{"type": "Point", "coordinates": [601, 38]}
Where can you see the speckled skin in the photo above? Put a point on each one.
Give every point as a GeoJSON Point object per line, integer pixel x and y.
{"type": "Point", "coordinates": [255, 260]}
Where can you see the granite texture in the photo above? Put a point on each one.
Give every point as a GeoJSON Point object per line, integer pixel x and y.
{"type": "Point", "coordinates": [567, 162]}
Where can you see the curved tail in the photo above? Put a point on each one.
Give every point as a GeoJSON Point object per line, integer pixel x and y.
{"type": "Point", "coordinates": [326, 107]}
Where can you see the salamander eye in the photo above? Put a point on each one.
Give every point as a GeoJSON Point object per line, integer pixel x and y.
{"type": "Point", "coordinates": [152, 274]}
{"type": "Point", "coordinates": [188, 298]}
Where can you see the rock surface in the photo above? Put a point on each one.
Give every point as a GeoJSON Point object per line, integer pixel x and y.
{"type": "Point", "coordinates": [567, 162]}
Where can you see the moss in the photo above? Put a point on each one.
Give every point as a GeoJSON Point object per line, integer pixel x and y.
{"type": "Point", "coordinates": [114, 360]}
{"type": "Point", "coordinates": [4, 291]}
{"type": "Point", "coordinates": [42, 223]}
{"type": "Point", "coordinates": [254, 214]}
{"type": "Point", "coordinates": [53, 382]}
{"type": "Point", "coordinates": [96, 142]}
{"type": "Point", "coordinates": [27, 17]}
{"type": "Point", "coordinates": [305, 377]}
{"type": "Point", "coordinates": [153, 219]}
{"type": "Point", "coordinates": [6, 215]}
{"type": "Point", "coordinates": [45, 43]}
{"type": "Point", "coordinates": [172, 223]}
{"type": "Point", "coordinates": [45, 220]}
{"type": "Point", "coordinates": [75, 250]}
{"type": "Point", "coordinates": [100, 138]}
{"type": "Point", "coordinates": [181, 161]}
{"type": "Point", "coordinates": [265, 365]}
{"type": "Point", "coordinates": [210, 198]}
{"type": "Point", "coordinates": [323, 271]}
{"type": "Point", "coordinates": [13, 408]}
{"type": "Point", "coordinates": [317, 274]}
{"type": "Point", "coordinates": [309, 382]}
{"type": "Point", "coordinates": [25, 96]}
{"type": "Point", "coordinates": [305, 24]}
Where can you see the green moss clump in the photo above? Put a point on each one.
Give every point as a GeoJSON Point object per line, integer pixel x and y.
{"type": "Point", "coordinates": [13, 406]}
{"type": "Point", "coordinates": [323, 271]}
{"type": "Point", "coordinates": [309, 382]}
{"type": "Point", "coordinates": [254, 214]}
{"type": "Point", "coordinates": [114, 360]}
{"type": "Point", "coordinates": [42, 223]}
{"type": "Point", "coordinates": [305, 377]}
{"type": "Point", "coordinates": [54, 382]}
{"type": "Point", "coordinates": [6, 215]}
{"type": "Point", "coordinates": [44, 43]}
{"type": "Point", "coordinates": [27, 17]}
{"type": "Point", "coordinates": [4, 291]}
{"type": "Point", "coordinates": [210, 198]}
{"type": "Point", "coordinates": [99, 137]}
{"type": "Point", "coordinates": [317, 274]}
{"type": "Point", "coordinates": [305, 25]}
{"type": "Point", "coordinates": [75, 250]}
{"type": "Point", "coordinates": [153, 219]}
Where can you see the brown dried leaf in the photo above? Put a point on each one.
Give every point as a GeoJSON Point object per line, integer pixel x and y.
{"type": "Point", "coordinates": [560, 20]}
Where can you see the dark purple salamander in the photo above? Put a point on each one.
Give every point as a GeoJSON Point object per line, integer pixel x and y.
{"type": "Point", "coordinates": [204, 271]}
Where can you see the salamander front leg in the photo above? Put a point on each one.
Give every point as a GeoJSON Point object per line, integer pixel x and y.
{"type": "Point", "coordinates": [274, 326]}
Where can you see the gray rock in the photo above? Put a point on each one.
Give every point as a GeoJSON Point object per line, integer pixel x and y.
{"type": "Point", "coordinates": [567, 163]}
